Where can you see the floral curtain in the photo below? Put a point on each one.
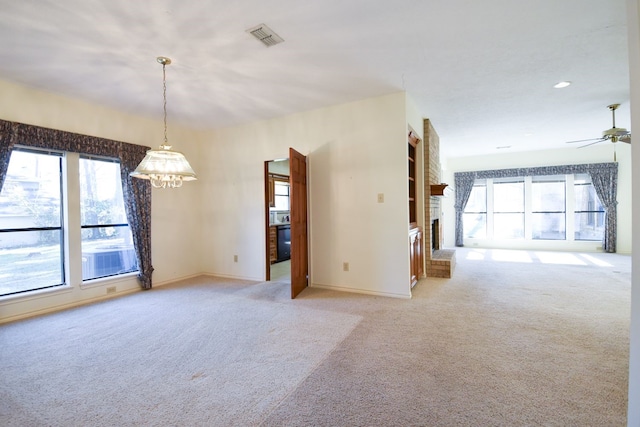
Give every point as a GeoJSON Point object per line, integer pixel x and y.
{"type": "Point", "coordinates": [605, 182]}
{"type": "Point", "coordinates": [137, 199]}
{"type": "Point", "coordinates": [603, 175]}
{"type": "Point", "coordinates": [463, 185]}
{"type": "Point", "coordinates": [136, 192]}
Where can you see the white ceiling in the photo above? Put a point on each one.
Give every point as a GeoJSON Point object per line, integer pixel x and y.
{"type": "Point", "coordinates": [482, 71]}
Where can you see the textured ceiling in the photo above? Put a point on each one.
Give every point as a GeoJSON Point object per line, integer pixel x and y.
{"type": "Point", "coordinates": [482, 71]}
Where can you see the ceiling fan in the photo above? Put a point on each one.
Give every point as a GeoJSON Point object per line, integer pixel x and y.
{"type": "Point", "coordinates": [614, 134]}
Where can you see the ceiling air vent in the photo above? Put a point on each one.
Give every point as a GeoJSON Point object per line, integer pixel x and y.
{"type": "Point", "coordinates": [265, 35]}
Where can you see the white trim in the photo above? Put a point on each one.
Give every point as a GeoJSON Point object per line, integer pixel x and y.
{"type": "Point", "coordinates": [222, 276]}
{"type": "Point", "coordinates": [61, 307]}
{"type": "Point", "coordinates": [359, 291]}
{"type": "Point", "coordinates": [109, 280]}
{"type": "Point", "coordinates": [35, 294]}
{"type": "Point", "coordinates": [546, 245]}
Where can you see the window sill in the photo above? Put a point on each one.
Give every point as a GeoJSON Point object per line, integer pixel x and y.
{"type": "Point", "coordinates": [42, 293]}
{"type": "Point", "coordinates": [101, 281]}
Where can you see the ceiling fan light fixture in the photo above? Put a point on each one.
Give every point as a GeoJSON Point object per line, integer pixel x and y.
{"type": "Point", "coordinates": [562, 84]}
{"type": "Point", "coordinates": [614, 132]}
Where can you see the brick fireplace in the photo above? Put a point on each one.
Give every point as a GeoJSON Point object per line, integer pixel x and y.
{"type": "Point", "coordinates": [439, 262]}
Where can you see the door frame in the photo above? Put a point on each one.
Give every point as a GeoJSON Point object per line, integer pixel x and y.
{"type": "Point", "coordinates": [267, 230]}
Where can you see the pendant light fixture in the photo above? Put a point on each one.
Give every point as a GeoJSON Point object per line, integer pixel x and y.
{"type": "Point", "coordinates": [164, 167]}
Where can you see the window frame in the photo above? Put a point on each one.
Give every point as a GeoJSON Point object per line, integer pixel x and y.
{"type": "Point", "coordinates": [549, 179]}
{"type": "Point", "coordinates": [528, 210]}
{"type": "Point", "coordinates": [495, 214]}
{"type": "Point", "coordinates": [478, 184]}
{"type": "Point", "coordinates": [61, 229]}
{"type": "Point", "coordinates": [70, 226]}
{"type": "Point", "coordinates": [281, 183]}
{"type": "Point", "coordinates": [601, 211]}
{"type": "Point", "coordinates": [84, 226]}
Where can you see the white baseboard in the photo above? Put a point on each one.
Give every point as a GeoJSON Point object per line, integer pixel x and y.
{"type": "Point", "coordinates": [359, 291]}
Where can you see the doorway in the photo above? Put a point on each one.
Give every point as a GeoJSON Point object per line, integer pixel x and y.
{"type": "Point", "coordinates": [286, 221]}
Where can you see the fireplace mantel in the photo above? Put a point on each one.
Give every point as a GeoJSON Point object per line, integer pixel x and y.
{"type": "Point", "coordinates": [438, 189]}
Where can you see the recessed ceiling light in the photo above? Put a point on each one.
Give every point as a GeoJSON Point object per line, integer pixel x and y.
{"type": "Point", "coordinates": [560, 85]}
{"type": "Point", "coordinates": [503, 147]}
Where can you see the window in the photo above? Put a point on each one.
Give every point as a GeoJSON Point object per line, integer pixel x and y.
{"type": "Point", "coordinates": [548, 207]}
{"type": "Point", "coordinates": [540, 207]}
{"type": "Point", "coordinates": [34, 225]}
{"type": "Point", "coordinates": [31, 233]}
{"type": "Point", "coordinates": [107, 244]}
{"type": "Point", "coordinates": [589, 212]}
{"type": "Point", "coordinates": [281, 195]}
{"type": "Point", "coordinates": [475, 213]}
{"type": "Point", "coordinates": [508, 208]}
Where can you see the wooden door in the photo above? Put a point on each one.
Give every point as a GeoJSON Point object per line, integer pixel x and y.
{"type": "Point", "coordinates": [298, 219]}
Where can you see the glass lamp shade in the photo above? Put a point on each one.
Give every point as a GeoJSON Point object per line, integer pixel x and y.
{"type": "Point", "coordinates": [165, 168]}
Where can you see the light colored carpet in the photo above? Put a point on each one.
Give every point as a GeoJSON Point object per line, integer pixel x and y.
{"type": "Point", "coordinates": [208, 353]}
{"type": "Point", "coordinates": [515, 338]}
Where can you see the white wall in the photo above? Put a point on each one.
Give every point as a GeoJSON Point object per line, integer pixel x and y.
{"type": "Point", "coordinates": [354, 151]}
{"type": "Point", "coordinates": [600, 153]}
{"type": "Point", "coordinates": [633, 21]}
{"type": "Point", "coordinates": [175, 213]}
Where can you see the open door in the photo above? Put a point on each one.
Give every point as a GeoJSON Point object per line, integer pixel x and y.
{"type": "Point", "coordinates": [298, 219]}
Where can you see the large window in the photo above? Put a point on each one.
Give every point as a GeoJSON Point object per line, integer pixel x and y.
{"type": "Point", "coordinates": [589, 212]}
{"type": "Point", "coordinates": [281, 195]}
{"type": "Point", "coordinates": [541, 207]}
{"type": "Point", "coordinates": [107, 244]}
{"type": "Point", "coordinates": [34, 224]}
{"type": "Point", "coordinates": [475, 214]}
{"type": "Point", "coordinates": [548, 207]}
{"type": "Point", "coordinates": [508, 208]}
{"type": "Point", "coordinates": [31, 233]}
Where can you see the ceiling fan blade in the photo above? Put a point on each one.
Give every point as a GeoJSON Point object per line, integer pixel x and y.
{"type": "Point", "coordinates": [586, 140]}
{"type": "Point", "coordinates": [595, 142]}
{"type": "Point", "coordinates": [625, 138]}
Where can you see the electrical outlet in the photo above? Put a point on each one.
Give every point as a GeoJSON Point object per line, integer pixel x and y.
{"type": "Point", "coordinates": [111, 290]}
{"type": "Point", "coordinates": [380, 197]}
{"type": "Point", "coordinates": [235, 258]}
{"type": "Point", "coordinates": [345, 266]}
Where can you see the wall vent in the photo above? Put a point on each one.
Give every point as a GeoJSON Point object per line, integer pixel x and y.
{"type": "Point", "coordinates": [265, 34]}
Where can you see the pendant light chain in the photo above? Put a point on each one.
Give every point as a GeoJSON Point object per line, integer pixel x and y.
{"type": "Point", "coordinates": [164, 97]}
